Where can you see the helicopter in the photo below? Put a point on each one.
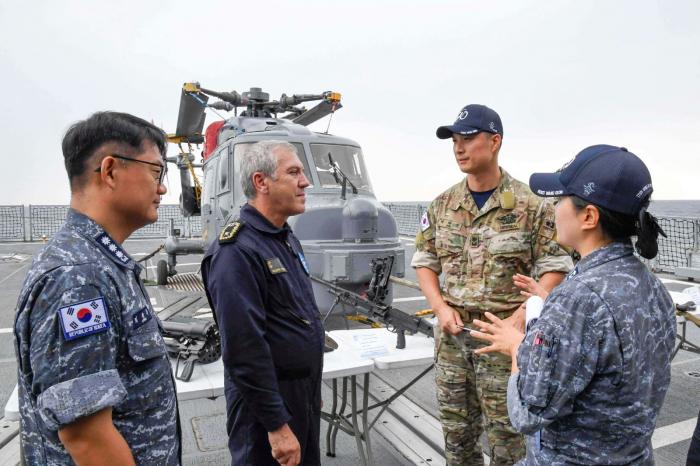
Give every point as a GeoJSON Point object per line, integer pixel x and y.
{"type": "Point", "coordinates": [344, 228]}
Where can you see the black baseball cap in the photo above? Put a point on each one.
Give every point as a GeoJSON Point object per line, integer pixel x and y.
{"type": "Point", "coordinates": [472, 119]}
{"type": "Point", "coordinates": [607, 176]}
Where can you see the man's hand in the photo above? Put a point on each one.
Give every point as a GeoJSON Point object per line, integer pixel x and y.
{"type": "Point", "coordinates": [449, 320]}
{"type": "Point", "coordinates": [285, 446]}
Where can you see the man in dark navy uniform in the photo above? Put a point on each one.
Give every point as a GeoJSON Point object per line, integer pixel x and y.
{"type": "Point", "coordinates": [258, 286]}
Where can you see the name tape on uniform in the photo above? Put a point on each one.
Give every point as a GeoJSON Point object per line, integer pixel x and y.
{"type": "Point", "coordinates": [83, 319]}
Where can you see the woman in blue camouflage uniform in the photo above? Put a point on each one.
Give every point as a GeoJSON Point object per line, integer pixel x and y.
{"type": "Point", "coordinates": [590, 376]}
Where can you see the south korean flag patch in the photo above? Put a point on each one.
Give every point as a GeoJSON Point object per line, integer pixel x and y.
{"type": "Point", "coordinates": [83, 319]}
{"type": "Point", "coordinates": [424, 222]}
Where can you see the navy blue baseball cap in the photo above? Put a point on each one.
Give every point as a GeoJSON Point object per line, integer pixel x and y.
{"type": "Point", "coordinates": [607, 176]}
{"type": "Point", "coordinates": [473, 119]}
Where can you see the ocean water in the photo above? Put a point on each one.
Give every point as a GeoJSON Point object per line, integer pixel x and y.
{"type": "Point", "coordinates": [680, 208]}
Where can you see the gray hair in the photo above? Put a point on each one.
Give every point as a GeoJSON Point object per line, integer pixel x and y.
{"type": "Point", "coordinates": [260, 157]}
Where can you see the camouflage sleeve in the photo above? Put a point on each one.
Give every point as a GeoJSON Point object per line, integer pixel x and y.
{"type": "Point", "coordinates": [426, 255]}
{"type": "Point", "coordinates": [73, 325]}
{"type": "Point", "coordinates": [557, 360]}
{"type": "Point", "coordinates": [549, 256]}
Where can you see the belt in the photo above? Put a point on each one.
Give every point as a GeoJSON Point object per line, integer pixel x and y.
{"type": "Point", "coordinates": [470, 313]}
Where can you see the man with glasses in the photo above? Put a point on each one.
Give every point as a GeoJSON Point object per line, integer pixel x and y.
{"type": "Point", "coordinates": [95, 385]}
{"type": "Point", "coordinates": [480, 233]}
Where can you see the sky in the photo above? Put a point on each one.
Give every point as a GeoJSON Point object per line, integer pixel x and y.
{"type": "Point", "coordinates": [563, 75]}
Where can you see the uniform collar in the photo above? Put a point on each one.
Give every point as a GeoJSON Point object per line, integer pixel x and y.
{"type": "Point", "coordinates": [91, 230]}
{"type": "Point", "coordinates": [602, 255]}
{"type": "Point", "coordinates": [251, 216]}
{"type": "Point", "coordinates": [466, 200]}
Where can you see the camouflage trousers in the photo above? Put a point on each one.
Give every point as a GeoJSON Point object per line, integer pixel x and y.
{"type": "Point", "coordinates": [471, 392]}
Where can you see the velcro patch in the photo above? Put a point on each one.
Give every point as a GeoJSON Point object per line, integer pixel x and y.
{"type": "Point", "coordinates": [424, 221]}
{"type": "Point", "coordinates": [275, 266]}
{"type": "Point", "coordinates": [83, 319]}
{"type": "Point", "coordinates": [141, 317]}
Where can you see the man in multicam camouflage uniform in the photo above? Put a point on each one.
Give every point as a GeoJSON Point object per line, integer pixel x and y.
{"type": "Point", "coordinates": [95, 385]}
{"type": "Point", "coordinates": [480, 233]}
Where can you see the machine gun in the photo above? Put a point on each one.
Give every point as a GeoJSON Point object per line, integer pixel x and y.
{"type": "Point", "coordinates": [192, 341]}
{"type": "Point", "coordinates": [373, 307]}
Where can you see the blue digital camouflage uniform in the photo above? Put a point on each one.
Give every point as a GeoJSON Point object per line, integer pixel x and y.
{"type": "Point", "coordinates": [271, 337]}
{"type": "Point", "coordinates": [479, 251]}
{"type": "Point", "coordinates": [86, 339]}
{"type": "Point", "coordinates": [595, 367]}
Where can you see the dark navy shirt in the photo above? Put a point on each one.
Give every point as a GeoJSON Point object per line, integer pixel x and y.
{"type": "Point", "coordinates": [261, 295]}
{"type": "Point", "coordinates": [480, 197]}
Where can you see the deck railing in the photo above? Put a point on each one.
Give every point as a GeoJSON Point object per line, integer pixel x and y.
{"type": "Point", "coordinates": [40, 222]}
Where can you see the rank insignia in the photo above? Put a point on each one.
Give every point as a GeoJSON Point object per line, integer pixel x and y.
{"type": "Point", "coordinates": [112, 248]}
{"type": "Point", "coordinates": [507, 199]}
{"type": "Point", "coordinates": [228, 234]}
{"type": "Point", "coordinates": [475, 240]}
{"type": "Point", "coordinates": [140, 318]}
{"type": "Point", "coordinates": [275, 266]}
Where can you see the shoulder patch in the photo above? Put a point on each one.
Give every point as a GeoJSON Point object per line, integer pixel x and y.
{"type": "Point", "coordinates": [228, 234]}
{"type": "Point", "coordinates": [424, 221]}
{"type": "Point", "coordinates": [83, 319]}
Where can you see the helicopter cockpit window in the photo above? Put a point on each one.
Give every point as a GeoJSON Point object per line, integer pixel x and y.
{"type": "Point", "coordinates": [224, 171]}
{"type": "Point", "coordinates": [347, 158]}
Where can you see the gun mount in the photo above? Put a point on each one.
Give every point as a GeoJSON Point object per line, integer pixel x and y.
{"type": "Point", "coordinates": [371, 306]}
{"type": "Point", "coordinates": [192, 341]}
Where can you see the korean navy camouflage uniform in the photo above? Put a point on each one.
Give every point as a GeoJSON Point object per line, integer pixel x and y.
{"type": "Point", "coordinates": [595, 367]}
{"type": "Point", "coordinates": [479, 251]}
{"type": "Point", "coordinates": [87, 339]}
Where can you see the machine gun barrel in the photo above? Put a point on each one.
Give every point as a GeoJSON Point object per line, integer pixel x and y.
{"type": "Point", "coordinates": [393, 318]}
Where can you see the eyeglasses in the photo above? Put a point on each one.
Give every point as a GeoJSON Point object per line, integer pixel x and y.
{"type": "Point", "coordinates": [163, 167]}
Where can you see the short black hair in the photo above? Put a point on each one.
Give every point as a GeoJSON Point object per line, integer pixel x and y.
{"type": "Point", "coordinates": [84, 137]}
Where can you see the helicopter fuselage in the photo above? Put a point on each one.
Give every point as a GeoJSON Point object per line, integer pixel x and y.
{"type": "Point", "coordinates": [341, 231]}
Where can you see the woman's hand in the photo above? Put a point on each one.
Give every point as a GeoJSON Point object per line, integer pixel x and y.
{"type": "Point", "coordinates": [503, 338]}
{"type": "Point", "coordinates": [529, 286]}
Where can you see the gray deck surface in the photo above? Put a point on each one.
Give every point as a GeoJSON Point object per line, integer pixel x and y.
{"type": "Point", "coordinates": [207, 416]}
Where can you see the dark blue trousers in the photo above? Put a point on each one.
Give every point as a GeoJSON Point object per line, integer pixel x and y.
{"type": "Point", "coordinates": [248, 441]}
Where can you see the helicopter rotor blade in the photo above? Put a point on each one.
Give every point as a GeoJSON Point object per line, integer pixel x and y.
{"type": "Point", "coordinates": [317, 112]}
{"type": "Point", "coordinates": [191, 116]}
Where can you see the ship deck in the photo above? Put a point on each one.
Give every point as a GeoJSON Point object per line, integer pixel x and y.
{"type": "Point", "coordinates": [407, 433]}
